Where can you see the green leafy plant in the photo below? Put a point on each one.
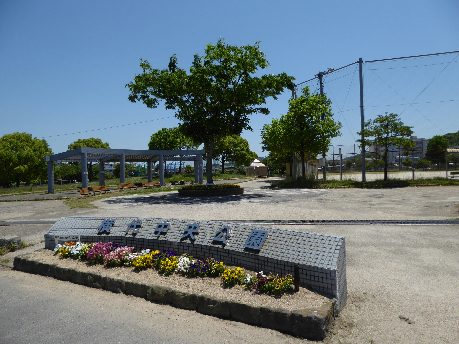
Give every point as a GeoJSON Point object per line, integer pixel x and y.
{"type": "Point", "coordinates": [232, 277]}
{"type": "Point", "coordinates": [270, 284]}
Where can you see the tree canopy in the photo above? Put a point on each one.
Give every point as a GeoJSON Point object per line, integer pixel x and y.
{"type": "Point", "coordinates": [236, 149]}
{"type": "Point", "coordinates": [91, 142]}
{"type": "Point", "coordinates": [436, 150]}
{"type": "Point", "coordinates": [171, 139]}
{"type": "Point", "coordinates": [22, 158]}
{"type": "Point", "coordinates": [452, 138]}
{"type": "Point", "coordinates": [306, 129]}
{"type": "Point", "coordinates": [216, 97]}
{"type": "Point", "coordinates": [384, 131]}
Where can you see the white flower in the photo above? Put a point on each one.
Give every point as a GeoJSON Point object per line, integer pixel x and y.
{"type": "Point", "coordinates": [183, 264]}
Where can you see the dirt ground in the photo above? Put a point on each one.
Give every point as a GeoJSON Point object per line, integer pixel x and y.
{"type": "Point", "coordinates": [402, 279]}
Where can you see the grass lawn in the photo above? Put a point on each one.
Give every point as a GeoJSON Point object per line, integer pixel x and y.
{"type": "Point", "coordinates": [376, 184]}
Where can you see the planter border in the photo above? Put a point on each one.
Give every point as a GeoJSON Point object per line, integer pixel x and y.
{"type": "Point", "coordinates": [311, 324]}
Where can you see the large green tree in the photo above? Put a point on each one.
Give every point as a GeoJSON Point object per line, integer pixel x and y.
{"type": "Point", "coordinates": [91, 142]}
{"type": "Point", "coordinates": [236, 149]}
{"type": "Point", "coordinates": [306, 129]}
{"type": "Point", "coordinates": [22, 158]}
{"type": "Point", "coordinates": [436, 150]}
{"type": "Point", "coordinates": [216, 97]}
{"type": "Point", "coordinates": [384, 131]}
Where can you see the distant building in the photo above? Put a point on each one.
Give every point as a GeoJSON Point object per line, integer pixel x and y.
{"type": "Point", "coordinates": [257, 168]}
{"type": "Point", "coordinates": [395, 152]}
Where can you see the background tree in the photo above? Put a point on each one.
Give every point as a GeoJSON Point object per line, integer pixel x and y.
{"type": "Point", "coordinates": [276, 162]}
{"type": "Point", "coordinates": [422, 163]}
{"type": "Point", "coordinates": [68, 171]}
{"type": "Point", "coordinates": [454, 158]}
{"type": "Point", "coordinates": [436, 150]}
{"type": "Point", "coordinates": [92, 143]}
{"type": "Point", "coordinates": [376, 163]}
{"type": "Point", "coordinates": [129, 170]}
{"type": "Point", "coordinates": [306, 129]}
{"type": "Point", "coordinates": [171, 139]}
{"type": "Point", "coordinates": [407, 162]}
{"type": "Point", "coordinates": [236, 149]}
{"type": "Point", "coordinates": [22, 159]}
{"type": "Point", "coordinates": [452, 138]}
{"type": "Point", "coordinates": [384, 131]}
{"type": "Point", "coordinates": [218, 95]}
{"type": "Point", "coordinates": [349, 163]}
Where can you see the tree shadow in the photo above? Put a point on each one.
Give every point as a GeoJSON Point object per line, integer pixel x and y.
{"type": "Point", "coordinates": [174, 198]}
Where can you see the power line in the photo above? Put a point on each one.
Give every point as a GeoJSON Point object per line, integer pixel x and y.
{"type": "Point", "coordinates": [414, 56]}
{"type": "Point", "coordinates": [107, 128]}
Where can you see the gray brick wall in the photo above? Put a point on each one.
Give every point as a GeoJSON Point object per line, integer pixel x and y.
{"type": "Point", "coordinates": [321, 258]}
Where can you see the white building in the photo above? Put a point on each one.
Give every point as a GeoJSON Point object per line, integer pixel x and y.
{"type": "Point", "coordinates": [394, 152]}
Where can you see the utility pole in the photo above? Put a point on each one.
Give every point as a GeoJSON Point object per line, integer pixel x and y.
{"type": "Point", "coordinates": [293, 167]}
{"type": "Point", "coordinates": [362, 118]}
{"type": "Point", "coordinates": [320, 76]}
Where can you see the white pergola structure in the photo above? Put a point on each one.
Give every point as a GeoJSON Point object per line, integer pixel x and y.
{"type": "Point", "coordinates": [84, 155]}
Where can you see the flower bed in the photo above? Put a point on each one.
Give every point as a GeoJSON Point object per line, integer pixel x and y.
{"type": "Point", "coordinates": [167, 262]}
{"type": "Point", "coordinates": [200, 190]}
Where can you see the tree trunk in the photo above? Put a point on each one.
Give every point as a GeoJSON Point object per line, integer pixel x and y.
{"type": "Point", "coordinates": [385, 164]}
{"type": "Point", "coordinates": [303, 167]}
{"type": "Point", "coordinates": [223, 163]}
{"type": "Point", "coordinates": [209, 175]}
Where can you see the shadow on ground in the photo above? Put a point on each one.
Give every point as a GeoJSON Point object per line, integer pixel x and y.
{"type": "Point", "coordinates": [174, 198]}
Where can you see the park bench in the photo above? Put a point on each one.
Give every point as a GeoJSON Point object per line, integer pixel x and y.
{"type": "Point", "coordinates": [454, 174]}
{"type": "Point", "coordinates": [150, 185]}
{"type": "Point", "coordinates": [84, 192]}
{"type": "Point", "coordinates": [124, 186]}
{"type": "Point", "coordinates": [99, 189]}
{"type": "Point", "coordinates": [177, 182]}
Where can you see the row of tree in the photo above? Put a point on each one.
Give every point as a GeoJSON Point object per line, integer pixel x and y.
{"type": "Point", "coordinates": [214, 101]}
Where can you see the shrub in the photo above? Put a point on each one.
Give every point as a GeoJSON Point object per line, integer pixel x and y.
{"type": "Point", "coordinates": [211, 187]}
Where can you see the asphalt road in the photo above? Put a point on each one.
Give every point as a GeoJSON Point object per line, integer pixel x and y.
{"type": "Point", "coordinates": [402, 278]}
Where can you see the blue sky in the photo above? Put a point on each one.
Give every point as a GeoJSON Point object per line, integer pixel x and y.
{"type": "Point", "coordinates": [64, 64]}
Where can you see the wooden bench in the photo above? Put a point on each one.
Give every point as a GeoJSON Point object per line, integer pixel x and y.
{"type": "Point", "coordinates": [124, 186]}
{"type": "Point", "coordinates": [84, 192]}
{"type": "Point", "coordinates": [99, 189]}
{"type": "Point", "coordinates": [150, 185]}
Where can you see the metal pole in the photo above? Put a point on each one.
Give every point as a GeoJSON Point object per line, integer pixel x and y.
{"type": "Point", "coordinates": [84, 170]}
{"type": "Point", "coordinates": [362, 118]}
{"type": "Point", "coordinates": [320, 75]}
{"type": "Point", "coordinates": [161, 170]}
{"type": "Point", "coordinates": [50, 168]}
{"type": "Point", "coordinates": [340, 165]}
{"type": "Point", "coordinates": [122, 168]}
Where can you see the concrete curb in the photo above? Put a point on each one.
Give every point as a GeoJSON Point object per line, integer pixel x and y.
{"type": "Point", "coordinates": [10, 240]}
{"type": "Point", "coordinates": [312, 324]}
